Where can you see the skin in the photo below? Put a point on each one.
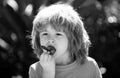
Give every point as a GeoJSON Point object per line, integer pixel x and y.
{"type": "Point", "coordinates": [58, 39]}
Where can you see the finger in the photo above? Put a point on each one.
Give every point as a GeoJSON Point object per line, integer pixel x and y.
{"type": "Point", "coordinates": [42, 56]}
{"type": "Point", "coordinates": [52, 58]}
{"type": "Point", "coordinates": [49, 57]}
{"type": "Point", "coordinates": [46, 56]}
{"type": "Point", "coordinates": [44, 51]}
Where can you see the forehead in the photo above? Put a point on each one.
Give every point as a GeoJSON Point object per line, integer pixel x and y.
{"type": "Point", "coordinates": [46, 27]}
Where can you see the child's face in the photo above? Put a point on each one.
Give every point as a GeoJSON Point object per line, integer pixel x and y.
{"type": "Point", "coordinates": [58, 39]}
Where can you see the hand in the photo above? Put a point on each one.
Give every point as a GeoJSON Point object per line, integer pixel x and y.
{"type": "Point", "coordinates": [48, 64]}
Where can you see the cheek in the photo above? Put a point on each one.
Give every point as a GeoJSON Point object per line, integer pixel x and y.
{"type": "Point", "coordinates": [62, 44]}
{"type": "Point", "coordinates": [43, 41]}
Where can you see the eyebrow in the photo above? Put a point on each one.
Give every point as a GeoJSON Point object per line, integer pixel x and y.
{"type": "Point", "coordinates": [43, 29]}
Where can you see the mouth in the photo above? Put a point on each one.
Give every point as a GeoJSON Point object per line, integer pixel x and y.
{"type": "Point", "coordinates": [50, 49]}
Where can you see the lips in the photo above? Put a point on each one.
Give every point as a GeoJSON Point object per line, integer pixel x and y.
{"type": "Point", "coordinates": [50, 49]}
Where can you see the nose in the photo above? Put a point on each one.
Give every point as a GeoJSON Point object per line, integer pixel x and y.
{"type": "Point", "coordinates": [51, 42]}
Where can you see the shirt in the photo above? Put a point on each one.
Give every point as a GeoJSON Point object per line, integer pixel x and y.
{"type": "Point", "coordinates": [74, 70]}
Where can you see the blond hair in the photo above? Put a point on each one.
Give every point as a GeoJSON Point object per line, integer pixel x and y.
{"type": "Point", "coordinates": [63, 16]}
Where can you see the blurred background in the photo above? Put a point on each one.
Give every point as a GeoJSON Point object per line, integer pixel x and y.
{"type": "Point", "coordinates": [101, 18]}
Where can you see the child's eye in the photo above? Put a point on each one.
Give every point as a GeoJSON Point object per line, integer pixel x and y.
{"type": "Point", "coordinates": [44, 34]}
{"type": "Point", "coordinates": [58, 34]}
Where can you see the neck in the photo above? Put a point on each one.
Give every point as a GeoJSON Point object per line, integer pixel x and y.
{"type": "Point", "coordinates": [64, 60]}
